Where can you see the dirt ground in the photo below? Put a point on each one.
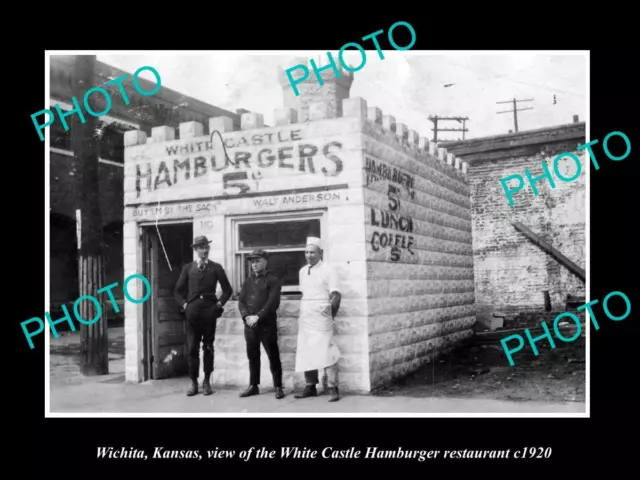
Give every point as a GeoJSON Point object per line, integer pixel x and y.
{"type": "Point", "coordinates": [481, 370]}
{"type": "Point", "coordinates": [478, 369]}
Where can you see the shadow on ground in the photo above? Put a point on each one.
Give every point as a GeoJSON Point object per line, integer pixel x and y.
{"type": "Point", "coordinates": [480, 369]}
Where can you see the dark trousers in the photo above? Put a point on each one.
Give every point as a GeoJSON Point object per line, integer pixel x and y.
{"type": "Point", "coordinates": [331, 372]}
{"type": "Point", "coordinates": [201, 327]}
{"type": "Point", "coordinates": [267, 334]}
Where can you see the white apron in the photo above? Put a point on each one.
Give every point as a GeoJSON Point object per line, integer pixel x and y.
{"type": "Point", "coordinates": [316, 349]}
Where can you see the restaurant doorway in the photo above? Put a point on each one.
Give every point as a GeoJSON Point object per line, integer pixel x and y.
{"type": "Point", "coordinates": [165, 250]}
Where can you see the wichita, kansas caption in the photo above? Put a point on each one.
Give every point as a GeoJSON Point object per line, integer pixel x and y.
{"type": "Point", "coordinates": [158, 452]}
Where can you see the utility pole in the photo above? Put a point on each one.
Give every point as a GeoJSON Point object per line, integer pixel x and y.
{"type": "Point", "coordinates": [84, 142]}
{"type": "Point", "coordinates": [435, 128]}
{"type": "Point", "coordinates": [515, 115]}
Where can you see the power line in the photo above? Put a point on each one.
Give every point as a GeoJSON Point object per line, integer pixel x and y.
{"type": "Point", "coordinates": [435, 119]}
{"type": "Point", "coordinates": [515, 80]}
{"type": "Point", "coordinates": [515, 115]}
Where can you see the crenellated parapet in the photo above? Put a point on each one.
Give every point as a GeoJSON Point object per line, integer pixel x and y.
{"type": "Point", "coordinates": [383, 128]}
{"type": "Point", "coordinates": [386, 129]}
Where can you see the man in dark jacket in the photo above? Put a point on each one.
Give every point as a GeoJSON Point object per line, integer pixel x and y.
{"type": "Point", "coordinates": [195, 291]}
{"type": "Point", "coordinates": [258, 304]}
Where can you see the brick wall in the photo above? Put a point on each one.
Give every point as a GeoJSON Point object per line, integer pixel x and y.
{"type": "Point", "coordinates": [166, 107]}
{"type": "Point", "coordinates": [65, 184]}
{"type": "Point", "coordinates": [511, 273]}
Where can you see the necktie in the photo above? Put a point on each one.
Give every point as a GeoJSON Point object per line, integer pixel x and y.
{"type": "Point", "coordinates": [309, 271]}
{"type": "Point", "coordinates": [201, 265]}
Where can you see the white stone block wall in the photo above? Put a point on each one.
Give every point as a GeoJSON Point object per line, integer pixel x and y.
{"type": "Point", "coordinates": [419, 249]}
{"type": "Point", "coordinates": [370, 176]}
{"type": "Point", "coordinates": [190, 178]}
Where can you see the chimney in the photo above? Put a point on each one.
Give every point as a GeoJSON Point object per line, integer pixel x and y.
{"type": "Point", "coordinates": [575, 119]}
{"type": "Point", "coordinates": [333, 90]}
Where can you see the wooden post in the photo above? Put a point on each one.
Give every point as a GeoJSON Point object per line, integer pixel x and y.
{"type": "Point", "coordinates": [435, 129]}
{"type": "Point", "coordinates": [95, 359]}
{"type": "Point", "coordinates": [560, 258]}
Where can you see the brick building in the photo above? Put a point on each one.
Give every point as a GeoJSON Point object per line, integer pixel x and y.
{"type": "Point", "coordinates": [511, 273]}
{"type": "Point", "coordinates": [393, 211]}
{"type": "Point", "coordinates": [166, 107]}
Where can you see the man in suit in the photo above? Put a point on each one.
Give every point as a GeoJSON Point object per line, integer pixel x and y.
{"type": "Point", "coordinates": [258, 304]}
{"type": "Point", "coordinates": [195, 291]}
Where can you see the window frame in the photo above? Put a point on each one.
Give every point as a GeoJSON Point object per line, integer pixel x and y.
{"type": "Point", "coordinates": [236, 256]}
{"type": "Point", "coordinates": [110, 125]}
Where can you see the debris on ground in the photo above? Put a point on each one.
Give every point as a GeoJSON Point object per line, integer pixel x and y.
{"type": "Point", "coordinates": [480, 369]}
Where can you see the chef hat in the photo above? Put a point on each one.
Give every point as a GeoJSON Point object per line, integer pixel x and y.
{"type": "Point", "coordinates": [314, 241]}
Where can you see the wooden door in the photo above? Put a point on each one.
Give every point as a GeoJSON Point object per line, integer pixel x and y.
{"type": "Point", "coordinates": [168, 322]}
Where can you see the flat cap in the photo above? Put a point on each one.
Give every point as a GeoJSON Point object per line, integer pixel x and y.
{"type": "Point", "coordinates": [257, 254]}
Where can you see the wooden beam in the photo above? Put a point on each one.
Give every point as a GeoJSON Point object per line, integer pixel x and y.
{"type": "Point", "coordinates": [562, 260]}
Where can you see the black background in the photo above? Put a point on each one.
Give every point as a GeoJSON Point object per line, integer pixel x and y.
{"type": "Point", "coordinates": [66, 448]}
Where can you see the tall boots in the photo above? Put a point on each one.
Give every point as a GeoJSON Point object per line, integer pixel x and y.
{"type": "Point", "coordinates": [335, 394]}
{"type": "Point", "coordinates": [206, 386]}
{"type": "Point", "coordinates": [193, 389]}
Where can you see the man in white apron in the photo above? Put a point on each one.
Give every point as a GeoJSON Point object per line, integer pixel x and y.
{"type": "Point", "coordinates": [320, 302]}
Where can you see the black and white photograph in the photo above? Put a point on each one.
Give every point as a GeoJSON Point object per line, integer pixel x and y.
{"type": "Point", "coordinates": [288, 233]}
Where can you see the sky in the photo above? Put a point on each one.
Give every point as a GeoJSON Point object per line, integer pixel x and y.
{"type": "Point", "coordinates": [409, 85]}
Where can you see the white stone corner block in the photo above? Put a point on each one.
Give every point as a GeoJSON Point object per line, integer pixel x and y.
{"type": "Point", "coordinates": [319, 110]}
{"type": "Point", "coordinates": [222, 124]}
{"type": "Point", "coordinates": [191, 130]}
{"type": "Point", "coordinates": [423, 144]}
{"type": "Point", "coordinates": [433, 149]}
{"type": "Point", "coordinates": [465, 167]}
{"type": "Point", "coordinates": [402, 130]}
{"type": "Point", "coordinates": [251, 121]}
{"type": "Point", "coordinates": [389, 123]}
{"type": "Point", "coordinates": [354, 107]}
{"type": "Point", "coordinates": [285, 116]}
{"type": "Point", "coordinates": [134, 137]}
{"type": "Point", "coordinates": [442, 154]}
{"type": "Point", "coordinates": [163, 134]}
{"type": "Point", "coordinates": [450, 158]}
{"type": "Point", "coordinates": [375, 115]}
{"type": "Point", "coordinates": [458, 163]}
{"type": "Point", "coordinates": [413, 137]}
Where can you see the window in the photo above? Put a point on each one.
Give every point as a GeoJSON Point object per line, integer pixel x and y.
{"type": "Point", "coordinates": [110, 135]}
{"type": "Point", "coordinates": [283, 236]}
{"type": "Point", "coordinates": [112, 141]}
